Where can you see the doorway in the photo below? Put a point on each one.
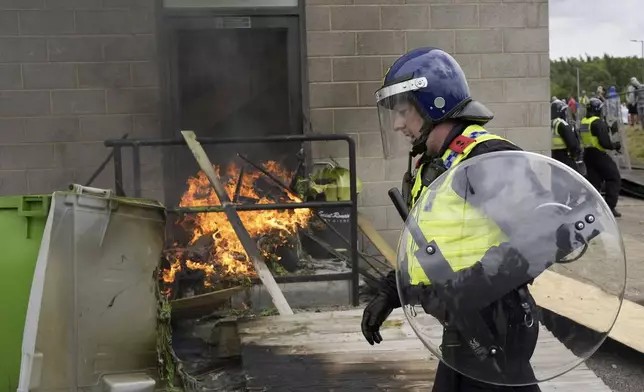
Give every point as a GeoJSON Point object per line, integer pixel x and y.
{"type": "Point", "coordinates": [231, 77]}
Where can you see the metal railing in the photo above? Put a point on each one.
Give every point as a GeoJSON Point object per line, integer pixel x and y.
{"type": "Point", "coordinates": [136, 144]}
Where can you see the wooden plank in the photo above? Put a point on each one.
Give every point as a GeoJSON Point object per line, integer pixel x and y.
{"type": "Point", "coordinates": [376, 239]}
{"type": "Point", "coordinates": [326, 351]}
{"type": "Point", "coordinates": [251, 249]}
{"type": "Point", "coordinates": [588, 306]}
{"type": "Point", "coordinates": [203, 304]}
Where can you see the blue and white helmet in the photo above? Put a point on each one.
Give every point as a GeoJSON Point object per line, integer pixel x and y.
{"type": "Point", "coordinates": [431, 81]}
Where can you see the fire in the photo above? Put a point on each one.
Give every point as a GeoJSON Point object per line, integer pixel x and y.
{"type": "Point", "coordinates": [228, 258]}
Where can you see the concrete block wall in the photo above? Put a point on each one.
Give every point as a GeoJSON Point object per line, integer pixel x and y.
{"type": "Point", "coordinates": [72, 74]}
{"type": "Point", "coordinates": [501, 45]}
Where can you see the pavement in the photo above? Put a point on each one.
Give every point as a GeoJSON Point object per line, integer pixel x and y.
{"type": "Point", "coordinates": [620, 367]}
{"type": "Point", "coordinates": [631, 225]}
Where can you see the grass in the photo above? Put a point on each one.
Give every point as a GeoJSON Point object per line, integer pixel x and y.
{"type": "Point", "coordinates": [635, 143]}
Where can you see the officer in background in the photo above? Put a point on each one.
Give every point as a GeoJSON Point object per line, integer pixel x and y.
{"type": "Point", "coordinates": [425, 97]}
{"type": "Point", "coordinates": [595, 139]}
{"type": "Point", "coordinates": [566, 147]}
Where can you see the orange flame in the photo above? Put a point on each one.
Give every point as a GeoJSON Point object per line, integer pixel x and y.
{"type": "Point", "coordinates": [228, 258]}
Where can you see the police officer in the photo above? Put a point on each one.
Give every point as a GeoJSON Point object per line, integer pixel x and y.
{"type": "Point", "coordinates": [595, 138]}
{"type": "Point", "coordinates": [566, 147]}
{"type": "Point", "coordinates": [426, 99]}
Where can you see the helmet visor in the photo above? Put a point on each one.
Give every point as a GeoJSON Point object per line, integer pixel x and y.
{"type": "Point", "coordinates": [400, 119]}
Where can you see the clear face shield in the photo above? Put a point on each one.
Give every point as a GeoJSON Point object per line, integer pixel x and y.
{"type": "Point", "coordinates": [400, 120]}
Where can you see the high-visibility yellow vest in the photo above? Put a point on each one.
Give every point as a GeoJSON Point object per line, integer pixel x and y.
{"type": "Point", "coordinates": [462, 233]}
{"type": "Point", "coordinates": [557, 140]}
{"type": "Point", "coordinates": [587, 138]}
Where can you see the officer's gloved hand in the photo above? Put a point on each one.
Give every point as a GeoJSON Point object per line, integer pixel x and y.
{"type": "Point", "coordinates": [375, 315]}
{"type": "Point", "coordinates": [617, 146]}
{"type": "Point", "coordinates": [581, 167]}
{"type": "Point", "coordinates": [380, 308]}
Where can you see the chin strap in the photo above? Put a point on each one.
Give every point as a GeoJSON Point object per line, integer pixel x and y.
{"type": "Point", "coordinates": [420, 145]}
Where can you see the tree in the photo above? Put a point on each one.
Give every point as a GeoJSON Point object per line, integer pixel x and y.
{"type": "Point", "coordinates": [593, 71]}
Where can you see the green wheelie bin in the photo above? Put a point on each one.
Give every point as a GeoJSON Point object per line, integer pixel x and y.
{"type": "Point", "coordinates": [22, 224]}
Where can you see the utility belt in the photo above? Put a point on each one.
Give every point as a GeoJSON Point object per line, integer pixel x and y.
{"type": "Point", "coordinates": [518, 303]}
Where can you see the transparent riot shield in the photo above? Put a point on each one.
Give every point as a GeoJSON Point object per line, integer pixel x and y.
{"type": "Point", "coordinates": [613, 111]}
{"type": "Point", "coordinates": [581, 114]}
{"type": "Point", "coordinates": [493, 250]}
{"type": "Point", "coordinates": [92, 308]}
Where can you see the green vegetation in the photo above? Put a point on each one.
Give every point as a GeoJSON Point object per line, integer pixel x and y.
{"type": "Point", "coordinates": [635, 143]}
{"type": "Point", "coordinates": [599, 71]}
{"type": "Point", "coordinates": [269, 312]}
{"type": "Point", "coordinates": [593, 71]}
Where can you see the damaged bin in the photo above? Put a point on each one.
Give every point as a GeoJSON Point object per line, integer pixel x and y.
{"type": "Point", "coordinates": [22, 222]}
{"type": "Point", "coordinates": [93, 304]}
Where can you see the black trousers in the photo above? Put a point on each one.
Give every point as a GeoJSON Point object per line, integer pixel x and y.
{"type": "Point", "coordinates": [448, 380]}
{"type": "Point", "coordinates": [602, 168]}
{"type": "Point", "coordinates": [506, 320]}
{"type": "Point", "coordinates": [563, 157]}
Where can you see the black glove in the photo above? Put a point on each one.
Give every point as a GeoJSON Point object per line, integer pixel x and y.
{"type": "Point", "coordinates": [581, 168]}
{"type": "Point", "coordinates": [617, 146]}
{"type": "Point", "coordinates": [374, 315]}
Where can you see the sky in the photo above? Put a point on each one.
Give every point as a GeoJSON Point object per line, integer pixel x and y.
{"type": "Point", "coordinates": [595, 27]}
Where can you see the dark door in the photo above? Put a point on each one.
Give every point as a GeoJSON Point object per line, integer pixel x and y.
{"type": "Point", "coordinates": [235, 77]}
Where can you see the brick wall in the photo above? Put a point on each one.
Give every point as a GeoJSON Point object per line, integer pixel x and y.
{"type": "Point", "coordinates": [501, 45]}
{"type": "Point", "coordinates": [72, 74]}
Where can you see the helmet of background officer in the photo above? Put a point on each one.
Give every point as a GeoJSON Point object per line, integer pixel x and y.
{"type": "Point", "coordinates": [594, 107]}
{"type": "Point", "coordinates": [424, 93]}
{"type": "Point", "coordinates": [635, 82]}
{"type": "Point", "coordinates": [554, 98]}
{"type": "Point", "coordinates": [612, 92]}
{"type": "Point", "coordinates": [559, 109]}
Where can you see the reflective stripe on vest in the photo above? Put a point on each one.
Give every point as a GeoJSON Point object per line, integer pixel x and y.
{"type": "Point", "coordinates": [461, 231]}
{"type": "Point", "coordinates": [587, 138]}
{"type": "Point", "coordinates": [557, 140]}
{"type": "Point", "coordinates": [451, 158]}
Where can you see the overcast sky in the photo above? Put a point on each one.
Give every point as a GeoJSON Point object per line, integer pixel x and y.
{"type": "Point", "coordinates": [596, 27]}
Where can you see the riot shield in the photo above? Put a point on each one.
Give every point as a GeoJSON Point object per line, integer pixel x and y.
{"type": "Point", "coordinates": [613, 116]}
{"type": "Point", "coordinates": [581, 113]}
{"type": "Point", "coordinates": [493, 250]}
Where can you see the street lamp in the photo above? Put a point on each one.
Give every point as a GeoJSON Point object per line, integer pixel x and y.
{"type": "Point", "coordinates": [642, 43]}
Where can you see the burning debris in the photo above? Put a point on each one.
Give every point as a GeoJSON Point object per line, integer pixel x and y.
{"type": "Point", "coordinates": [214, 257]}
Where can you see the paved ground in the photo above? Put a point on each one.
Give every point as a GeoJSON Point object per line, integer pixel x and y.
{"type": "Point", "coordinates": [622, 368]}
{"type": "Point", "coordinates": [632, 227]}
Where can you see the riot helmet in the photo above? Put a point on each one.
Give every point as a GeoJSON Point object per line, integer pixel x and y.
{"type": "Point", "coordinates": [421, 89]}
{"type": "Point", "coordinates": [594, 107]}
{"type": "Point", "coordinates": [558, 109]}
{"type": "Point", "coordinates": [612, 92]}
